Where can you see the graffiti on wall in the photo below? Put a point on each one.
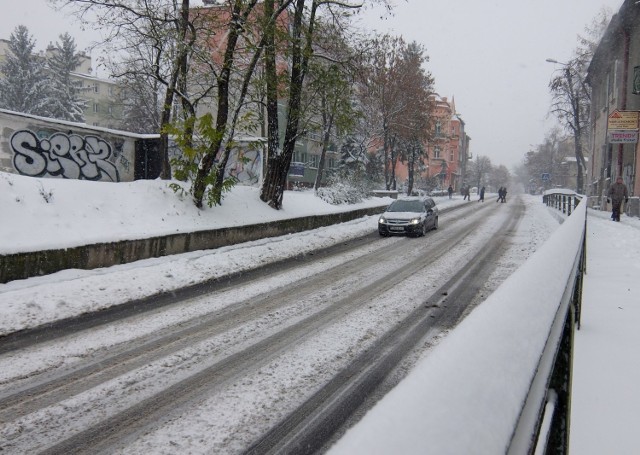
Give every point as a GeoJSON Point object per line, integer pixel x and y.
{"type": "Point", "coordinates": [245, 166]}
{"type": "Point", "coordinates": [65, 155]}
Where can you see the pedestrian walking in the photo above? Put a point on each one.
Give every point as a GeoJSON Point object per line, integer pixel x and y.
{"type": "Point", "coordinates": [450, 191]}
{"type": "Point", "coordinates": [499, 194]}
{"type": "Point", "coordinates": [617, 193]}
{"type": "Point", "coordinates": [481, 195]}
{"type": "Point", "coordinates": [465, 193]}
{"type": "Point", "coordinates": [504, 194]}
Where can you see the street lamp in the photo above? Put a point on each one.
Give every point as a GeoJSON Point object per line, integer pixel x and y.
{"type": "Point", "coordinates": [566, 69]}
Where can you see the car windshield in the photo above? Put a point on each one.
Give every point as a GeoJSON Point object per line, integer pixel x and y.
{"type": "Point", "coordinates": [406, 206]}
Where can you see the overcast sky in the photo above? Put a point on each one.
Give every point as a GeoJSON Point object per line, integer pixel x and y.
{"type": "Point", "coordinates": [488, 55]}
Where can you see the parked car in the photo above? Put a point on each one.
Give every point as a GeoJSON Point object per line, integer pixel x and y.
{"type": "Point", "coordinates": [411, 216]}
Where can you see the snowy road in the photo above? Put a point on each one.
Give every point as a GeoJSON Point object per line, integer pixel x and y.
{"type": "Point", "coordinates": [257, 362]}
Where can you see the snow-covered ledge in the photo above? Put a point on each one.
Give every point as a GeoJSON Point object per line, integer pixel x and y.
{"type": "Point", "coordinates": [469, 394]}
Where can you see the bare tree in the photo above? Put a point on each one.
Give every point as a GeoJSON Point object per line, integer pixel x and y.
{"type": "Point", "coordinates": [571, 97]}
{"type": "Point", "coordinates": [382, 97]}
{"type": "Point", "coordinates": [546, 160]}
{"type": "Point", "coordinates": [478, 171]}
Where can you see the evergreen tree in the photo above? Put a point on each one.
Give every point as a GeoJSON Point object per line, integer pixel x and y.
{"type": "Point", "coordinates": [23, 79]}
{"type": "Point", "coordinates": [64, 102]}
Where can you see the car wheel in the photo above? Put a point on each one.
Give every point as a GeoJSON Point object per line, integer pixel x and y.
{"type": "Point", "coordinates": [435, 223]}
{"type": "Point", "coordinates": [382, 234]}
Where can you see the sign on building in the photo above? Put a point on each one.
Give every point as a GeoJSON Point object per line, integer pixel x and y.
{"type": "Point", "coordinates": [623, 120]}
{"type": "Point", "coordinates": [623, 137]}
{"type": "Point", "coordinates": [622, 127]}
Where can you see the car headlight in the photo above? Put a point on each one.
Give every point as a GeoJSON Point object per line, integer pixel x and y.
{"type": "Point", "coordinates": [414, 221]}
{"type": "Point", "coordinates": [382, 220]}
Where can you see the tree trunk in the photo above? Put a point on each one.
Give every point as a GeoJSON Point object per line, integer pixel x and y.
{"type": "Point", "coordinates": [273, 133]}
{"type": "Point", "coordinates": [179, 73]}
{"type": "Point", "coordinates": [327, 124]}
{"type": "Point", "coordinates": [222, 115]}
{"type": "Point", "coordinates": [410, 170]}
{"type": "Point", "coordinates": [275, 181]}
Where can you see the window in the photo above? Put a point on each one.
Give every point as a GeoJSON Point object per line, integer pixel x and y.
{"type": "Point", "coordinates": [438, 128]}
{"type": "Point", "coordinates": [451, 156]}
{"type": "Point", "coordinates": [96, 108]}
{"type": "Point", "coordinates": [436, 151]}
{"type": "Point", "coordinates": [96, 88]}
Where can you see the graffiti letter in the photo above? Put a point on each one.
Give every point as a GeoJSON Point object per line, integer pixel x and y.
{"type": "Point", "coordinates": [28, 158]}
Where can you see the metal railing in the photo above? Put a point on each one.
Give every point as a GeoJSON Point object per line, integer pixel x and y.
{"type": "Point", "coordinates": [565, 202]}
{"type": "Point", "coordinates": [544, 423]}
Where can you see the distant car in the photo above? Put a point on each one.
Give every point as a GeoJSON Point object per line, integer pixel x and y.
{"type": "Point", "coordinates": [411, 216]}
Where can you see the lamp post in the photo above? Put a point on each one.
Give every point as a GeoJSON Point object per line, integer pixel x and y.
{"type": "Point", "coordinates": [570, 107]}
{"type": "Point", "coordinates": [566, 69]}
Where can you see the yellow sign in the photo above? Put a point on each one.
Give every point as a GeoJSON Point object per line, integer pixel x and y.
{"type": "Point", "coordinates": [623, 120]}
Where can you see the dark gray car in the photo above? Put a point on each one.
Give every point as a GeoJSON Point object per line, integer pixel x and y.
{"type": "Point", "coordinates": [414, 216]}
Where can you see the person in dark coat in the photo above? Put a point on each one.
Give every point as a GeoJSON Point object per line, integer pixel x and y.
{"type": "Point", "coordinates": [481, 195]}
{"type": "Point", "coordinates": [617, 193]}
{"type": "Point", "coordinates": [450, 191]}
{"type": "Point", "coordinates": [499, 194]}
{"type": "Point", "coordinates": [504, 194]}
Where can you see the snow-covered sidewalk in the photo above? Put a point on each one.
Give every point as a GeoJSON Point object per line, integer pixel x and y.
{"type": "Point", "coordinates": [606, 370]}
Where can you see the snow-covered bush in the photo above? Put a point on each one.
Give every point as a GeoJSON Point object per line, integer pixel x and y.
{"type": "Point", "coordinates": [341, 193]}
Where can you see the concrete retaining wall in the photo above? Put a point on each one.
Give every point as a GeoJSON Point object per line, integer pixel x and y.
{"type": "Point", "coordinates": [25, 265]}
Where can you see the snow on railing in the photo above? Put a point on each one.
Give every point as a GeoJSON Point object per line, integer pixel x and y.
{"type": "Point", "coordinates": [485, 387]}
{"type": "Point", "coordinates": [563, 200]}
